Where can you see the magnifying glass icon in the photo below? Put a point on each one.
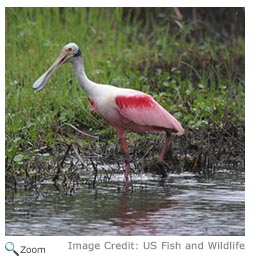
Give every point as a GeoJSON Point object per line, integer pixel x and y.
{"type": "Point", "coordinates": [9, 246]}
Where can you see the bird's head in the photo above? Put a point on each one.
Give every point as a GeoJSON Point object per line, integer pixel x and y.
{"type": "Point", "coordinates": [69, 52]}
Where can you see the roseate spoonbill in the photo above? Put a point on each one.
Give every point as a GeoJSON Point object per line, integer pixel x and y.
{"type": "Point", "coordinates": [125, 109]}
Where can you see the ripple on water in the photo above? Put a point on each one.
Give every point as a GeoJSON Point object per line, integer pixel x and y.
{"type": "Point", "coordinates": [183, 204]}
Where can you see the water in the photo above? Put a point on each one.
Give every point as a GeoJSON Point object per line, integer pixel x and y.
{"type": "Point", "coordinates": [183, 204]}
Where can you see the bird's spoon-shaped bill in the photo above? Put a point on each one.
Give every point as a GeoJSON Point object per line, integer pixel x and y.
{"type": "Point", "coordinates": [40, 83]}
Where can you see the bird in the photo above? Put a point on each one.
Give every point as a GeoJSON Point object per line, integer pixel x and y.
{"type": "Point", "coordinates": [124, 108]}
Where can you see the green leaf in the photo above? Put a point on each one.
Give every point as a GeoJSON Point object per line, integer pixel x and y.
{"type": "Point", "coordinates": [18, 158]}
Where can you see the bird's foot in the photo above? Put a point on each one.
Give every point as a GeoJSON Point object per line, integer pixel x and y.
{"type": "Point", "coordinates": [161, 165]}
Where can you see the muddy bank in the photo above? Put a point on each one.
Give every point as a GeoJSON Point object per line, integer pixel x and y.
{"type": "Point", "coordinates": [74, 154]}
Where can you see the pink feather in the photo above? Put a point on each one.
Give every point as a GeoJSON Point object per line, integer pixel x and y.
{"type": "Point", "coordinates": [143, 110]}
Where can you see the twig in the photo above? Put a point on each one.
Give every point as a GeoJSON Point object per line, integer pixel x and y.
{"type": "Point", "coordinates": [233, 138]}
{"type": "Point", "coordinates": [76, 129]}
{"type": "Point", "coordinates": [74, 147]}
{"type": "Point", "coordinates": [59, 166]}
{"type": "Point", "coordinates": [95, 172]}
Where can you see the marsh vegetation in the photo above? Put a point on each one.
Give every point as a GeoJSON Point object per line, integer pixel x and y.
{"type": "Point", "coordinates": [191, 60]}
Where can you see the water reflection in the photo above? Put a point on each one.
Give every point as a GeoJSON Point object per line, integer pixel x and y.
{"type": "Point", "coordinates": [136, 206]}
{"type": "Point", "coordinates": [180, 205]}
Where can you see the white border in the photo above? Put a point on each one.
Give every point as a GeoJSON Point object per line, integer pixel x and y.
{"type": "Point", "coordinates": [56, 246]}
{"type": "Point", "coordinates": [125, 3]}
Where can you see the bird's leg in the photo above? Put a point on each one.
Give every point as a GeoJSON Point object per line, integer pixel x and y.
{"type": "Point", "coordinates": [163, 152]}
{"type": "Point", "coordinates": [121, 134]}
{"type": "Point", "coordinates": [127, 158]}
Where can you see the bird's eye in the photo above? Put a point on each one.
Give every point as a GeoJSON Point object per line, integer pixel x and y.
{"type": "Point", "coordinates": [69, 49]}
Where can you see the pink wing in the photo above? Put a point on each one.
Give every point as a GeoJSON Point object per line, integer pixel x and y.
{"type": "Point", "coordinates": [142, 109]}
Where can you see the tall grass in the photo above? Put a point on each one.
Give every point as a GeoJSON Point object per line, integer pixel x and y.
{"type": "Point", "coordinates": [198, 81]}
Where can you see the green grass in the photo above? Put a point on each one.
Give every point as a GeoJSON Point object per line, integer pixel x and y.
{"type": "Point", "coordinates": [198, 78]}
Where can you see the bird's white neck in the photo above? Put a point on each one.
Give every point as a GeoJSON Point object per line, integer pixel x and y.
{"type": "Point", "coordinates": [86, 84]}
